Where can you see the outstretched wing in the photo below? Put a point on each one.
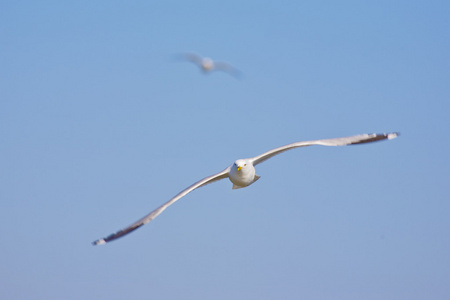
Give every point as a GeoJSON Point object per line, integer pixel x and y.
{"type": "Point", "coordinates": [351, 140]}
{"type": "Point", "coordinates": [196, 59]}
{"type": "Point", "coordinates": [156, 212]}
{"type": "Point", "coordinates": [225, 67]}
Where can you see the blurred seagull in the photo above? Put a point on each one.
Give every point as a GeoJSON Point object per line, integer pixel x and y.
{"type": "Point", "coordinates": [207, 65]}
{"type": "Point", "coordinates": [242, 174]}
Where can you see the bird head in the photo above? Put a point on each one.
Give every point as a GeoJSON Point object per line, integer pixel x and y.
{"type": "Point", "coordinates": [240, 164]}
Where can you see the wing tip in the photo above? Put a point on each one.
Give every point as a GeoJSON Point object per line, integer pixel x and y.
{"type": "Point", "coordinates": [99, 242]}
{"type": "Point", "coordinates": [393, 135]}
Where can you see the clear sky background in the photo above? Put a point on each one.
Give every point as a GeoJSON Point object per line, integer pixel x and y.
{"type": "Point", "coordinates": [99, 125]}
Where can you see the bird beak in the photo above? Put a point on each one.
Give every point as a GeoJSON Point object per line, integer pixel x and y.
{"type": "Point", "coordinates": [239, 168]}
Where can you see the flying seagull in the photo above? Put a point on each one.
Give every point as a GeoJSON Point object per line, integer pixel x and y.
{"type": "Point", "coordinates": [242, 173]}
{"type": "Point", "coordinates": [208, 65]}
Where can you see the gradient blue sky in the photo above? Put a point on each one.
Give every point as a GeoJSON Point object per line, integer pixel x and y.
{"type": "Point", "coordinates": [100, 125]}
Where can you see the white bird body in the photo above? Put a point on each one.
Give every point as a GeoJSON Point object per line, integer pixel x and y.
{"type": "Point", "coordinates": [242, 174]}
{"type": "Point", "coordinates": [207, 65]}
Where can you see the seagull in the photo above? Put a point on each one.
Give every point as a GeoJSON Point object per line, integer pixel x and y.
{"type": "Point", "coordinates": [207, 65]}
{"type": "Point", "coordinates": [242, 174]}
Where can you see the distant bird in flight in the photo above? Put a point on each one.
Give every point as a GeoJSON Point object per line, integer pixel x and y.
{"type": "Point", "coordinates": [208, 65]}
{"type": "Point", "coordinates": [242, 174]}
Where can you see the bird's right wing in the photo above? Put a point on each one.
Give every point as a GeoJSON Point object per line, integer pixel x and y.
{"type": "Point", "coordinates": [196, 59]}
{"type": "Point", "coordinates": [351, 140]}
{"type": "Point", "coordinates": [222, 66]}
{"type": "Point", "coordinates": [156, 212]}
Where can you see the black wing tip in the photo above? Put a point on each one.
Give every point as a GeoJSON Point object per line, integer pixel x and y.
{"type": "Point", "coordinates": [99, 242]}
{"type": "Point", "coordinates": [389, 135]}
{"type": "Point", "coordinates": [392, 135]}
{"type": "Point", "coordinates": [116, 235]}
{"type": "Point", "coordinates": [368, 138]}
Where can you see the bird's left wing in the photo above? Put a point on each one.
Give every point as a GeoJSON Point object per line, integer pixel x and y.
{"type": "Point", "coordinates": [343, 141]}
{"type": "Point", "coordinates": [156, 212]}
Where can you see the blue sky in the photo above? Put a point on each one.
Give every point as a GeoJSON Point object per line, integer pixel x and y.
{"type": "Point", "coordinates": [99, 125]}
